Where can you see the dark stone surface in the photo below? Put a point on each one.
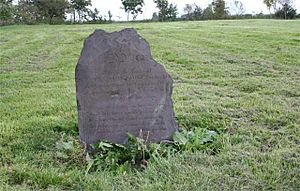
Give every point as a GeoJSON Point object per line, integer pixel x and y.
{"type": "Point", "coordinates": [120, 89]}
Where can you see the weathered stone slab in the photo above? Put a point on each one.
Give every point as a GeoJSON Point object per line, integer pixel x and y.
{"type": "Point", "coordinates": [120, 89]}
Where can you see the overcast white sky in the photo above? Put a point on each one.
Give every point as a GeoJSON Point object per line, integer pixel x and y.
{"type": "Point", "coordinates": [251, 6]}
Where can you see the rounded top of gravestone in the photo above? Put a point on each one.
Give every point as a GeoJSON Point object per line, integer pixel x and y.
{"type": "Point", "coordinates": [100, 41]}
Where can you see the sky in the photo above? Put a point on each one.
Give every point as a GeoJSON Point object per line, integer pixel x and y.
{"type": "Point", "coordinates": [251, 6]}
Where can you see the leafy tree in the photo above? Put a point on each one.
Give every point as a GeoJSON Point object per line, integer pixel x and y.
{"type": "Point", "coordinates": [133, 7]}
{"type": "Point", "coordinates": [155, 16]}
{"type": "Point", "coordinates": [172, 12]}
{"type": "Point", "coordinates": [286, 11]}
{"type": "Point", "coordinates": [208, 12]}
{"type": "Point", "coordinates": [188, 9]}
{"type": "Point", "coordinates": [80, 6]}
{"type": "Point", "coordinates": [269, 4]}
{"type": "Point", "coordinates": [51, 9]}
{"type": "Point", "coordinates": [94, 15]}
{"type": "Point", "coordinates": [6, 11]}
{"type": "Point", "coordinates": [219, 8]}
{"type": "Point", "coordinates": [27, 12]}
{"type": "Point", "coordinates": [32, 11]}
{"type": "Point", "coordinates": [166, 11]}
{"type": "Point", "coordinates": [198, 12]}
{"type": "Point", "coordinates": [162, 5]}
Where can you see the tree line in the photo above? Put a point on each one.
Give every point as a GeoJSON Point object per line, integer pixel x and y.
{"type": "Point", "coordinates": [55, 11]}
{"type": "Point", "coordinates": [48, 11]}
{"type": "Point", "coordinates": [282, 9]}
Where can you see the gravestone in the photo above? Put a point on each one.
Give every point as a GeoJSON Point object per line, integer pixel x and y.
{"type": "Point", "coordinates": [120, 89]}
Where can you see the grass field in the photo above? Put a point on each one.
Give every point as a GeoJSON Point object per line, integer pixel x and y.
{"type": "Point", "coordinates": [240, 78]}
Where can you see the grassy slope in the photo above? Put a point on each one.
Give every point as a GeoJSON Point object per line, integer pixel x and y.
{"type": "Point", "coordinates": [243, 76]}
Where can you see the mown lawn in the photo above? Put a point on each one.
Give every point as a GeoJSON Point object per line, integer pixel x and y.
{"type": "Point", "coordinates": [239, 78]}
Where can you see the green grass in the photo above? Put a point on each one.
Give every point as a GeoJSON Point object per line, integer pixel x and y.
{"type": "Point", "coordinates": [240, 78]}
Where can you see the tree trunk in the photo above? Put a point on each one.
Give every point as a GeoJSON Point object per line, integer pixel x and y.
{"type": "Point", "coordinates": [128, 16]}
{"type": "Point", "coordinates": [285, 14]}
{"type": "Point", "coordinates": [50, 20]}
{"type": "Point", "coordinates": [74, 15]}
